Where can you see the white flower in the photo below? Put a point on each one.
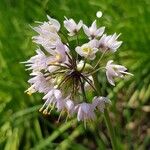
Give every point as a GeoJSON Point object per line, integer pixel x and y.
{"type": "Point", "coordinates": [70, 107]}
{"type": "Point", "coordinates": [54, 22]}
{"type": "Point", "coordinates": [48, 41]}
{"type": "Point", "coordinates": [47, 27]}
{"type": "Point", "coordinates": [39, 83]}
{"type": "Point", "coordinates": [53, 97]}
{"type": "Point", "coordinates": [58, 54]}
{"type": "Point", "coordinates": [47, 33]}
{"type": "Point", "coordinates": [72, 27]}
{"type": "Point", "coordinates": [113, 70]}
{"type": "Point", "coordinates": [92, 32]}
{"type": "Point", "coordinates": [37, 62]}
{"type": "Point", "coordinates": [85, 112]}
{"type": "Point", "coordinates": [109, 42]}
{"type": "Point", "coordinates": [87, 50]}
{"type": "Point", "coordinates": [100, 103]}
{"type": "Point", "coordinates": [60, 104]}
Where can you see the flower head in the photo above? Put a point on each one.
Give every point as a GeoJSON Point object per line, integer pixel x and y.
{"type": "Point", "coordinates": [72, 27]}
{"type": "Point", "coordinates": [113, 70]}
{"type": "Point", "coordinates": [63, 72]}
{"type": "Point", "coordinates": [92, 32]}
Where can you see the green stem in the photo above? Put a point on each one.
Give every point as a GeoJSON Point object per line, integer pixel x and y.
{"type": "Point", "coordinates": [110, 130]}
{"type": "Point", "coordinates": [106, 116]}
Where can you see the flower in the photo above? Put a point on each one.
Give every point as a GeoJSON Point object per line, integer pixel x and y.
{"type": "Point", "coordinates": [109, 42]}
{"type": "Point", "coordinates": [37, 62]}
{"type": "Point", "coordinates": [72, 27]}
{"type": "Point", "coordinates": [48, 36]}
{"type": "Point", "coordinates": [85, 112]}
{"type": "Point", "coordinates": [100, 102]}
{"type": "Point", "coordinates": [52, 26]}
{"type": "Point", "coordinates": [70, 107]}
{"type": "Point", "coordinates": [87, 50]}
{"type": "Point", "coordinates": [92, 32]}
{"type": "Point", "coordinates": [113, 70]}
{"type": "Point", "coordinates": [48, 41]}
{"type": "Point", "coordinates": [58, 55]}
{"type": "Point", "coordinates": [39, 83]}
{"type": "Point", "coordinates": [53, 97]}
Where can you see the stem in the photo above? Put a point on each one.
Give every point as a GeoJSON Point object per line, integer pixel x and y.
{"type": "Point", "coordinates": [106, 116]}
{"type": "Point", "coordinates": [92, 72]}
{"type": "Point", "coordinates": [110, 130]}
{"type": "Point", "coordinates": [100, 59]}
{"type": "Point", "coordinates": [83, 90]}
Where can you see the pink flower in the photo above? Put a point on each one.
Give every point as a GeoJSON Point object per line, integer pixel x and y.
{"type": "Point", "coordinates": [113, 70]}
{"type": "Point", "coordinates": [87, 50]}
{"type": "Point", "coordinates": [58, 54]}
{"type": "Point", "coordinates": [72, 27]}
{"type": "Point", "coordinates": [70, 107]}
{"type": "Point", "coordinates": [100, 103]}
{"type": "Point", "coordinates": [92, 32]}
{"type": "Point", "coordinates": [37, 62]}
{"type": "Point", "coordinates": [85, 112]}
{"type": "Point", "coordinates": [39, 83]}
{"type": "Point", "coordinates": [109, 42]}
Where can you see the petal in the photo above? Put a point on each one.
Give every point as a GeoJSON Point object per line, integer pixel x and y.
{"type": "Point", "coordinates": [57, 94]}
{"type": "Point", "coordinates": [79, 25]}
{"type": "Point", "coordinates": [100, 31]}
{"type": "Point", "coordinates": [86, 30]}
{"type": "Point", "coordinates": [110, 79]}
{"type": "Point", "coordinates": [54, 22]}
{"type": "Point", "coordinates": [93, 27]}
{"type": "Point", "coordinates": [79, 50]}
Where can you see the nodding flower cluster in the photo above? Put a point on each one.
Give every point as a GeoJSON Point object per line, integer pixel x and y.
{"type": "Point", "coordinates": [64, 72]}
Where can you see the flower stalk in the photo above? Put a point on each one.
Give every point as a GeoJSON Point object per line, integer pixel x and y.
{"type": "Point", "coordinates": [106, 117]}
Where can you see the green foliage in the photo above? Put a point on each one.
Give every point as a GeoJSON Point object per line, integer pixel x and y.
{"type": "Point", "coordinates": [22, 127]}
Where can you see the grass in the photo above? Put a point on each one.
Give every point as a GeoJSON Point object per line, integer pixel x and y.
{"type": "Point", "coordinates": [22, 127]}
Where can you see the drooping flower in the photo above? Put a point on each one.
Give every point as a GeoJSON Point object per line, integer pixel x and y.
{"type": "Point", "coordinates": [87, 50]}
{"type": "Point", "coordinates": [100, 103]}
{"type": "Point", "coordinates": [109, 42]}
{"type": "Point", "coordinates": [93, 32]}
{"type": "Point", "coordinates": [53, 97]}
{"type": "Point", "coordinates": [85, 112]}
{"type": "Point", "coordinates": [113, 70]}
{"type": "Point", "coordinates": [70, 107]}
{"type": "Point", "coordinates": [72, 26]}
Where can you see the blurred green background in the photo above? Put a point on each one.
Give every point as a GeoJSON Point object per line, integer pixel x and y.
{"type": "Point", "coordinates": [23, 127]}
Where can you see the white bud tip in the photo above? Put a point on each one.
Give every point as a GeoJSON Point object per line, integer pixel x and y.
{"type": "Point", "coordinates": [99, 14]}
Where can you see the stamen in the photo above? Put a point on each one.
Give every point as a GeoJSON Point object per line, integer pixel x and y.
{"type": "Point", "coordinates": [59, 116]}
{"type": "Point", "coordinates": [51, 109]}
{"type": "Point", "coordinates": [84, 123]}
